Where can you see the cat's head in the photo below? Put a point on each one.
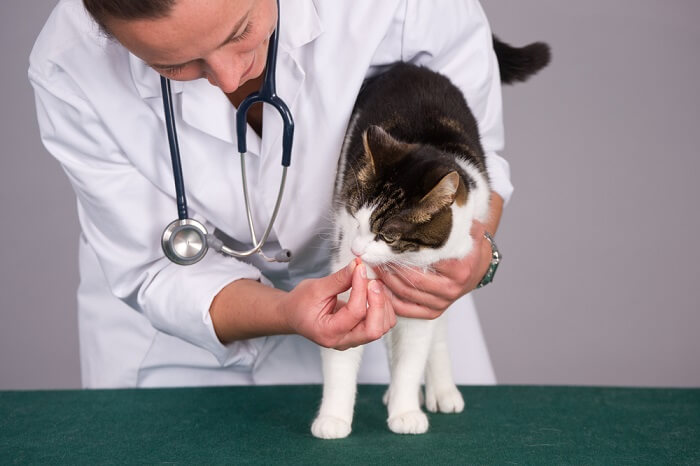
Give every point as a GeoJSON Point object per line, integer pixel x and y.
{"type": "Point", "coordinates": [404, 202]}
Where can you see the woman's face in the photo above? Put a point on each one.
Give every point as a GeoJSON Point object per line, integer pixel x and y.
{"type": "Point", "coordinates": [224, 41]}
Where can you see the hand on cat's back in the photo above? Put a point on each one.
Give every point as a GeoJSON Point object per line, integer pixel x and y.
{"type": "Point", "coordinates": [426, 295]}
{"type": "Point", "coordinates": [314, 311]}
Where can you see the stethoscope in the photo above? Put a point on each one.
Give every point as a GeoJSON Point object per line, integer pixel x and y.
{"type": "Point", "coordinates": [185, 241]}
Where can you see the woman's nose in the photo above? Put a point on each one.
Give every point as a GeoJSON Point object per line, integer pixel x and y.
{"type": "Point", "coordinates": [224, 72]}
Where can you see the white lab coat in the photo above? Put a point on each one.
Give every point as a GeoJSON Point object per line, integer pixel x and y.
{"type": "Point", "coordinates": [143, 320]}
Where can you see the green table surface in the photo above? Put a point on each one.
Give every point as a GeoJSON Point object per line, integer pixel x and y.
{"type": "Point", "coordinates": [270, 425]}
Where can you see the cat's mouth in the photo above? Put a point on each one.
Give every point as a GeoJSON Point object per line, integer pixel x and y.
{"type": "Point", "coordinates": [371, 260]}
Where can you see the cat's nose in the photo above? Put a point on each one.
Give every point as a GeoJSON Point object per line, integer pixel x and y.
{"type": "Point", "coordinates": [359, 245]}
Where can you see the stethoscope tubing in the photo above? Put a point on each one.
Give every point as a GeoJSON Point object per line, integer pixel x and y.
{"type": "Point", "coordinates": [268, 95]}
{"type": "Point", "coordinates": [174, 148]}
{"type": "Point", "coordinates": [257, 246]}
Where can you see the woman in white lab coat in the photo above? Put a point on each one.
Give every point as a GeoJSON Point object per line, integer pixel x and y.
{"type": "Point", "coordinates": [145, 321]}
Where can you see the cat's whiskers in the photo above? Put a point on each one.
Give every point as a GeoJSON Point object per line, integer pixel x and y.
{"type": "Point", "coordinates": [330, 216]}
{"type": "Point", "coordinates": [323, 248]}
{"type": "Point", "coordinates": [321, 229]}
{"type": "Point", "coordinates": [329, 240]}
{"type": "Point", "coordinates": [397, 269]}
{"type": "Point", "coordinates": [406, 262]}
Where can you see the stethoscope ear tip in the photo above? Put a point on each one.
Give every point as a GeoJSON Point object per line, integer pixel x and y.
{"type": "Point", "coordinates": [285, 255]}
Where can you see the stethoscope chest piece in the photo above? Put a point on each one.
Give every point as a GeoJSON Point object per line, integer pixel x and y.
{"type": "Point", "coordinates": [185, 241]}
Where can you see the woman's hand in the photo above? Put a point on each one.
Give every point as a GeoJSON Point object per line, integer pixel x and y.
{"type": "Point", "coordinates": [426, 295]}
{"type": "Point", "coordinates": [313, 310]}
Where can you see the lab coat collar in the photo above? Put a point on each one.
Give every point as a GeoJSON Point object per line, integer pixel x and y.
{"type": "Point", "coordinates": [300, 25]}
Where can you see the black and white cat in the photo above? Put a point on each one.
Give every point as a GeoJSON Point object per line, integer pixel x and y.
{"type": "Point", "coordinates": [411, 179]}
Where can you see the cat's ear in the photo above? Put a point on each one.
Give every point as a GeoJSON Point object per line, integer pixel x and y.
{"type": "Point", "coordinates": [382, 148]}
{"type": "Point", "coordinates": [375, 137]}
{"type": "Point", "coordinates": [442, 195]}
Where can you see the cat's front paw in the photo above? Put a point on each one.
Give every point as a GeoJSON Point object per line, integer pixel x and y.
{"type": "Point", "coordinates": [329, 427]}
{"type": "Point", "coordinates": [447, 400]}
{"type": "Point", "coordinates": [413, 422]}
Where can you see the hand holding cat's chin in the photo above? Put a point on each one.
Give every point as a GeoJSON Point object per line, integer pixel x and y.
{"type": "Point", "coordinates": [427, 294]}
{"type": "Point", "coordinates": [313, 310]}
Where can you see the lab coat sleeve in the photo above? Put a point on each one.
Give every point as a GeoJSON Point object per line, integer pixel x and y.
{"type": "Point", "coordinates": [122, 215]}
{"type": "Point", "coordinates": [453, 37]}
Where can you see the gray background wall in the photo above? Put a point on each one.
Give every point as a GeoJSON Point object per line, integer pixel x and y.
{"type": "Point", "coordinates": [599, 284]}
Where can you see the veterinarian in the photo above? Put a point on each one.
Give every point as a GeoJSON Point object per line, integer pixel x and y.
{"type": "Point", "coordinates": [146, 321]}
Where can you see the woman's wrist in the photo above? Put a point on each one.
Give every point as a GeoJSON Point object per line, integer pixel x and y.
{"type": "Point", "coordinates": [481, 264]}
{"type": "Point", "coordinates": [485, 256]}
{"type": "Point", "coordinates": [485, 259]}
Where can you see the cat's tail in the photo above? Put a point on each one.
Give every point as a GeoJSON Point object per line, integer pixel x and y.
{"type": "Point", "coordinates": [519, 63]}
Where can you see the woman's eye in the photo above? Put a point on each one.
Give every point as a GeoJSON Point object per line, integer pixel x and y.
{"type": "Point", "coordinates": [244, 35]}
{"type": "Point", "coordinates": [173, 70]}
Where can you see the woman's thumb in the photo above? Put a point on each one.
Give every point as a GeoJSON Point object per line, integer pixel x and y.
{"type": "Point", "coordinates": [339, 281]}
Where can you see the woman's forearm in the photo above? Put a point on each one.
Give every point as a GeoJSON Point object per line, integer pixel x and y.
{"type": "Point", "coordinates": [248, 309]}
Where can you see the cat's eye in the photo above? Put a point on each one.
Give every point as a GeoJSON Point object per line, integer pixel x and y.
{"type": "Point", "coordinates": [386, 239]}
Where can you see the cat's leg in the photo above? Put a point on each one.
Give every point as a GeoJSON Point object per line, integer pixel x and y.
{"type": "Point", "coordinates": [389, 346]}
{"type": "Point", "coordinates": [441, 393]}
{"type": "Point", "coordinates": [340, 369]}
{"type": "Point", "coordinates": [334, 419]}
{"type": "Point", "coordinates": [410, 340]}
{"type": "Point", "coordinates": [385, 397]}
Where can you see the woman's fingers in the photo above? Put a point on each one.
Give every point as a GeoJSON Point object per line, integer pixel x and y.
{"type": "Point", "coordinates": [358, 294]}
{"type": "Point", "coordinates": [337, 282]}
{"type": "Point", "coordinates": [408, 309]}
{"type": "Point", "coordinates": [351, 314]}
{"type": "Point", "coordinates": [423, 292]}
{"type": "Point", "coordinates": [389, 313]}
{"type": "Point", "coordinates": [377, 322]}
{"type": "Point", "coordinates": [374, 322]}
{"type": "Point", "coordinates": [367, 315]}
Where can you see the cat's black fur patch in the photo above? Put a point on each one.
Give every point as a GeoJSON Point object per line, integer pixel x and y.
{"type": "Point", "coordinates": [411, 124]}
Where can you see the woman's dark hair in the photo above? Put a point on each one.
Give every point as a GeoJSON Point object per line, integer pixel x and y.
{"type": "Point", "coordinates": [102, 10]}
